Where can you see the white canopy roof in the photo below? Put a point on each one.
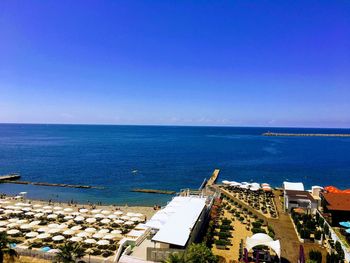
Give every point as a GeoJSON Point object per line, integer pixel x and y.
{"type": "Point", "coordinates": [177, 229]}
{"type": "Point", "coordinates": [265, 240]}
{"type": "Point", "coordinates": [293, 186]}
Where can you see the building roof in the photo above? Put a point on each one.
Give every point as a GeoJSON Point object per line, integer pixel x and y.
{"type": "Point", "coordinates": [293, 186]}
{"type": "Point", "coordinates": [177, 229]}
{"type": "Point", "coordinates": [337, 201]}
{"type": "Point", "coordinates": [300, 195]}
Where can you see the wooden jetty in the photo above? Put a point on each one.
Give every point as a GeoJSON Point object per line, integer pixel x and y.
{"type": "Point", "coordinates": [12, 176]}
{"type": "Point", "coordinates": [153, 191]}
{"type": "Point", "coordinates": [306, 134]}
{"type": "Point", "coordinates": [213, 177]}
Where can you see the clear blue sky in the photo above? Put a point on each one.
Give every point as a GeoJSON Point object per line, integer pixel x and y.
{"type": "Point", "coordinates": [245, 63]}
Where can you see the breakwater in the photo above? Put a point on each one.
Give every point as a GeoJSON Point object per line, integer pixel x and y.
{"type": "Point", "coordinates": [153, 191]}
{"type": "Point", "coordinates": [51, 184]}
{"type": "Point", "coordinates": [306, 134]}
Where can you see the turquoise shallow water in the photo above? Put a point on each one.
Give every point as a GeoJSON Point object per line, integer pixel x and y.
{"type": "Point", "coordinates": [164, 157]}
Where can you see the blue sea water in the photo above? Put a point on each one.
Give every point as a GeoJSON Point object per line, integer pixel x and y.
{"type": "Point", "coordinates": [164, 157]}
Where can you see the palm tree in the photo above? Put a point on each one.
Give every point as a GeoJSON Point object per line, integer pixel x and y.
{"type": "Point", "coordinates": [175, 258]}
{"type": "Point", "coordinates": [5, 248]}
{"type": "Point", "coordinates": [70, 253]}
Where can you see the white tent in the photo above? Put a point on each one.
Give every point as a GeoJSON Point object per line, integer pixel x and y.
{"type": "Point", "coordinates": [293, 186]}
{"type": "Point", "coordinates": [264, 240]}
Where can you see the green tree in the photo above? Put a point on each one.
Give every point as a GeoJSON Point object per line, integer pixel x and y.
{"type": "Point", "coordinates": [70, 253]}
{"type": "Point", "coordinates": [175, 258]}
{"type": "Point", "coordinates": [5, 249]}
{"type": "Point", "coordinates": [199, 253]}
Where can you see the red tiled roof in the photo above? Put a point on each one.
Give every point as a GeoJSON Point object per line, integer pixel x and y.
{"type": "Point", "coordinates": [337, 201]}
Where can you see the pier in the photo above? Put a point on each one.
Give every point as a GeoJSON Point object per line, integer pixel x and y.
{"type": "Point", "coordinates": [12, 176]}
{"type": "Point", "coordinates": [153, 191]}
{"type": "Point", "coordinates": [213, 177]}
{"type": "Point", "coordinates": [50, 184]}
{"type": "Point", "coordinates": [306, 134]}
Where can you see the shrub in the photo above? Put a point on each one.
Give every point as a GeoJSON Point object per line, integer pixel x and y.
{"type": "Point", "coordinates": [316, 256]}
{"type": "Point", "coordinates": [256, 230]}
{"type": "Point", "coordinates": [318, 235]}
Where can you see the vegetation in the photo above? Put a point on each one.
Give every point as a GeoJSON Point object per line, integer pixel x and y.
{"type": "Point", "coordinates": [5, 249]}
{"type": "Point", "coordinates": [70, 253]}
{"type": "Point", "coordinates": [196, 253]}
{"type": "Point", "coordinates": [315, 256]}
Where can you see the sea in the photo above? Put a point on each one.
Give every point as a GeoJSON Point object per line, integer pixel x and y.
{"type": "Point", "coordinates": [121, 158]}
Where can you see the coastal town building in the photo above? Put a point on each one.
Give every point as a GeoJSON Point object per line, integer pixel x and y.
{"type": "Point", "coordinates": [296, 199]}
{"type": "Point", "coordinates": [337, 206]}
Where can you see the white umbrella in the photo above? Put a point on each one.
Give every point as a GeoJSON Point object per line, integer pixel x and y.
{"type": "Point", "coordinates": [103, 231]}
{"type": "Point", "coordinates": [37, 206]}
{"type": "Point", "coordinates": [26, 209]}
{"type": "Point", "coordinates": [79, 219]}
{"type": "Point", "coordinates": [76, 214]}
{"type": "Point", "coordinates": [116, 232]}
{"type": "Point", "coordinates": [3, 223]}
{"type": "Point", "coordinates": [84, 210]}
{"type": "Point", "coordinates": [38, 215]}
{"type": "Point", "coordinates": [29, 214]}
{"type": "Point", "coordinates": [140, 215]}
{"type": "Point", "coordinates": [103, 243]}
{"type": "Point", "coordinates": [105, 212]}
{"type": "Point", "coordinates": [52, 216]}
{"type": "Point", "coordinates": [32, 234]}
{"type": "Point", "coordinates": [13, 232]}
{"type": "Point", "coordinates": [75, 228]}
{"type": "Point", "coordinates": [96, 211]}
{"type": "Point", "coordinates": [8, 211]}
{"type": "Point", "coordinates": [12, 225]}
{"type": "Point", "coordinates": [112, 216]}
{"type": "Point", "coordinates": [105, 221]}
{"type": "Point", "coordinates": [91, 220]}
{"type": "Point", "coordinates": [135, 219]}
{"type": "Point", "coordinates": [43, 236]}
{"type": "Point", "coordinates": [54, 231]}
{"type": "Point", "coordinates": [98, 235]}
{"type": "Point", "coordinates": [90, 241]}
{"type": "Point", "coordinates": [3, 229]}
{"type": "Point", "coordinates": [69, 232]}
{"type": "Point", "coordinates": [99, 216]}
{"type": "Point", "coordinates": [22, 221]}
{"type": "Point", "coordinates": [129, 223]}
{"type": "Point", "coordinates": [130, 214]}
{"type": "Point", "coordinates": [34, 223]}
{"type": "Point", "coordinates": [53, 225]}
{"type": "Point", "coordinates": [59, 212]}
{"type": "Point", "coordinates": [68, 209]}
{"type": "Point", "coordinates": [125, 217]}
{"type": "Point", "coordinates": [48, 211]}
{"type": "Point", "coordinates": [83, 234]}
{"type": "Point", "coordinates": [47, 207]}
{"type": "Point", "coordinates": [17, 212]}
{"type": "Point", "coordinates": [118, 221]}
{"type": "Point", "coordinates": [58, 238]}
{"type": "Point", "coordinates": [76, 239]}
{"type": "Point", "coordinates": [42, 229]}
{"type": "Point", "coordinates": [57, 208]}
{"type": "Point", "coordinates": [90, 230]}
{"type": "Point", "coordinates": [26, 227]}
{"type": "Point", "coordinates": [62, 226]}
{"type": "Point", "coordinates": [118, 213]}
{"type": "Point", "coordinates": [68, 218]}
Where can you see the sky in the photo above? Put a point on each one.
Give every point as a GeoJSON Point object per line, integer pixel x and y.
{"type": "Point", "coordinates": [222, 63]}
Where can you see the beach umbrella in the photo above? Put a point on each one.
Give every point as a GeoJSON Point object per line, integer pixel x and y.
{"type": "Point", "coordinates": [103, 243]}
{"type": "Point", "coordinates": [53, 225]}
{"type": "Point", "coordinates": [90, 230]}
{"type": "Point", "coordinates": [90, 241]}
{"type": "Point", "coordinates": [58, 238]}
{"type": "Point", "coordinates": [47, 211]}
{"type": "Point", "coordinates": [129, 223]}
{"type": "Point", "coordinates": [62, 226]}
{"type": "Point", "coordinates": [130, 214]}
{"type": "Point", "coordinates": [135, 219]}
{"type": "Point", "coordinates": [47, 207]}
{"type": "Point", "coordinates": [3, 223]}
{"type": "Point", "coordinates": [22, 221]}
{"type": "Point", "coordinates": [105, 221]}
{"type": "Point", "coordinates": [34, 223]}
{"type": "Point", "coordinates": [54, 231]}
{"type": "Point", "coordinates": [141, 215]}
{"type": "Point", "coordinates": [12, 225]}
{"type": "Point", "coordinates": [3, 229]}
{"type": "Point", "coordinates": [76, 239]}
{"type": "Point", "coordinates": [125, 217]}
{"type": "Point", "coordinates": [17, 212]}
{"type": "Point", "coordinates": [118, 213]}
{"type": "Point", "coordinates": [18, 197]}
{"type": "Point", "coordinates": [68, 209]}
{"type": "Point", "coordinates": [83, 234]}
{"type": "Point", "coordinates": [112, 216]}
{"type": "Point", "coordinates": [37, 206]}
{"type": "Point", "coordinates": [99, 216]}
{"type": "Point", "coordinates": [109, 236]}
{"type": "Point", "coordinates": [32, 234]}
{"type": "Point", "coordinates": [45, 249]}
{"type": "Point", "coordinates": [118, 221]}
{"type": "Point", "coordinates": [69, 232]}
{"type": "Point", "coordinates": [68, 218]}
{"type": "Point", "coordinates": [42, 229]}
{"type": "Point", "coordinates": [91, 220]}
{"type": "Point", "coordinates": [103, 231]}
{"type": "Point", "coordinates": [76, 214]}
{"type": "Point", "coordinates": [57, 208]}
{"type": "Point", "coordinates": [13, 220]}
{"type": "Point", "coordinates": [8, 211]}
{"type": "Point", "coordinates": [43, 236]}
{"type": "Point", "coordinates": [98, 235]}
{"type": "Point", "coordinates": [38, 215]}
{"type": "Point", "coordinates": [29, 214]}
{"type": "Point", "coordinates": [105, 212]}
{"type": "Point", "coordinates": [4, 202]}
{"type": "Point", "coordinates": [59, 212]}
{"type": "Point", "coordinates": [84, 210]}
{"type": "Point", "coordinates": [79, 219]}
{"type": "Point", "coordinates": [13, 232]}
{"type": "Point", "coordinates": [26, 227]}
{"type": "Point", "coordinates": [345, 224]}
{"type": "Point", "coordinates": [76, 228]}
{"type": "Point", "coordinates": [116, 232]}
{"type": "Point", "coordinates": [52, 216]}
{"type": "Point", "coordinates": [96, 211]}
{"type": "Point", "coordinates": [26, 209]}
